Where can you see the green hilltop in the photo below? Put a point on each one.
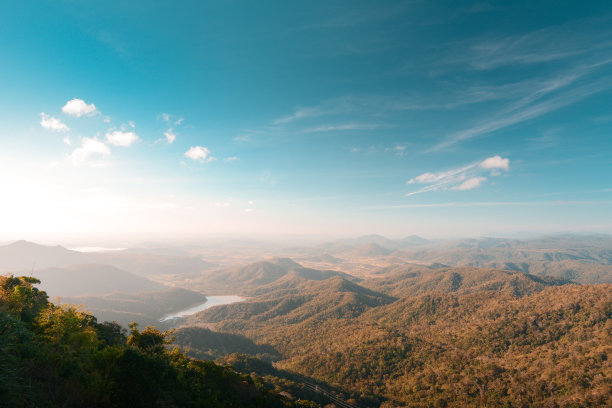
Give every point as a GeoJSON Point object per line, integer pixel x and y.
{"type": "Point", "coordinates": [52, 356]}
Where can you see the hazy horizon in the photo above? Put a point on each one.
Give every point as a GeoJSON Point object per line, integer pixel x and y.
{"type": "Point", "coordinates": [101, 244]}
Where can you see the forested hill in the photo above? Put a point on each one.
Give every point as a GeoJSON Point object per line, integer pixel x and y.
{"type": "Point", "coordinates": [60, 357]}
{"type": "Point", "coordinates": [430, 337]}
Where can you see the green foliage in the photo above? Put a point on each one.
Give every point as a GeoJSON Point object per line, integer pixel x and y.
{"type": "Point", "coordinates": [150, 340]}
{"type": "Point", "coordinates": [54, 356]}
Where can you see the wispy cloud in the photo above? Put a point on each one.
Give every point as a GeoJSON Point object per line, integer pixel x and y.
{"type": "Point", "coordinates": [245, 138]}
{"type": "Point", "coordinates": [121, 138]}
{"type": "Point", "coordinates": [398, 150]}
{"type": "Point", "coordinates": [491, 204]}
{"type": "Point", "coordinates": [90, 153]}
{"type": "Point", "coordinates": [531, 107]}
{"type": "Point", "coordinates": [51, 123]}
{"type": "Point", "coordinates": [330, 107]}
{"type": "Point", "coordinates": [463, 178]}
{"type": "Point", "coordinates": [170, 135]}
{"type": "Point", "coordinates": [344, 126]}
{"type": "Point", "coordinates": [559, 43]}
{"type": "Point", "coordinates": [172, 119]}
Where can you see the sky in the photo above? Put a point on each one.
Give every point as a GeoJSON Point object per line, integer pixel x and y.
{"type": "Point", "coordinates": [165, 119]}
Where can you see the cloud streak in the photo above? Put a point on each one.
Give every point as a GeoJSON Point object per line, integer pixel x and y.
{"type": "Point", "coordinates": [527, 111]}
{"type": "Point", "coordinates": [463, 178]}
{"type": "Point", "coordinates": [470, 204]}
{"type": "Point", "coordinates": [344, 126]}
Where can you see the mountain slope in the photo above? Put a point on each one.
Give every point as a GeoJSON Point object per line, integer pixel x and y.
{"type": "Point", "coordinates": [484, 348]}
{"type": "Point", "coordinates": [455, 337]}
{"type": "Point", "coordinates": [412, 280]}
{"type": "Point", "coordinates": [91, 279]}
{"type": "Point", "coordinates": [146, 308]}
{"type": "Point", "coordinates": [332, 298]}
{"type": "Point", "coordinates": [243, 278]}
{"type": "Point", "coordinates": [583, 259]}
{"type": "Point", "coordinates": [60, 357]}
{"type": "Point", "coordinates": [24, 255]}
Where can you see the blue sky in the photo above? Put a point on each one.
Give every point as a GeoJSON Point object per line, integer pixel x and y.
{"type": "Point", "coordinates": [177, 119]}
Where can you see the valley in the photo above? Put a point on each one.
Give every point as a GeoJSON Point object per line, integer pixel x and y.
{"type": "Point", "coordinates": [378, 322]}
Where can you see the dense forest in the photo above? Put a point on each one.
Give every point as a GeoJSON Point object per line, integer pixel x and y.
{"type": "Point", "coordinates": [52, 356]}
{"type": "Point", "coordinates": [437, 337]}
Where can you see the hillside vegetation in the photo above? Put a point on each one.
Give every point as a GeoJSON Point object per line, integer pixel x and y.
{"type": "Point", "coordinates": [52, 356]}
{"type": "Point", "coordinates": [548, 349]}
{"type": "Point", "coordinates": [437, 337]}
{"type": "Point", "coordinates": [412, 280]}
{"type": "Point", "coordinates": [242, 278]}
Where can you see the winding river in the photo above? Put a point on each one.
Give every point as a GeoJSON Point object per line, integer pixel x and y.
{"type": "Point", "coordinates": [210, 302]}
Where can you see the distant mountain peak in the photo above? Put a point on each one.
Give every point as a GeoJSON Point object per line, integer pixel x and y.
{"type": "Point", "coordinates": [284, 262]}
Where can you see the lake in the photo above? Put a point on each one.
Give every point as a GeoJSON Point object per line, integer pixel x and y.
{"type": "Point", "coordinates": [211, 301]}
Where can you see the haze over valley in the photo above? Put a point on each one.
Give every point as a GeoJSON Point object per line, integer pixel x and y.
{"type": "Point", "coordinates": [384, 292]}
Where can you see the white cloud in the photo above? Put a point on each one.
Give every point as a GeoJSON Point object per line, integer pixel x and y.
{"type": "Point", "coordinates": [67, 141]}
{"type": "Point", "coordinates": [231, 159]}
{"type": "Point", "coordinates": [470, 184]}
{"type": "Point", "coordinates": [51, 123]}
{"type": "Point", "coordinates": [426, 178]}
{"type": "Point", "coordinates": [463, 178]}
{"type": "Point", "coordinates": [495, 162]}
{"type": "Point", "coordinates": [78, 108]}
{"type": "Point", "coordinates": [199, 153]}
{"type": "Point", "coordinates": [170, 135]}
{"type": "Point", "coordinates": [179, 121]}
{"type": "Point", "coordinates": [165, 117]}
{"type": "Point", "coordinates": [121, 138]}
{"type": "Point", "coordinates": [90, 147]}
